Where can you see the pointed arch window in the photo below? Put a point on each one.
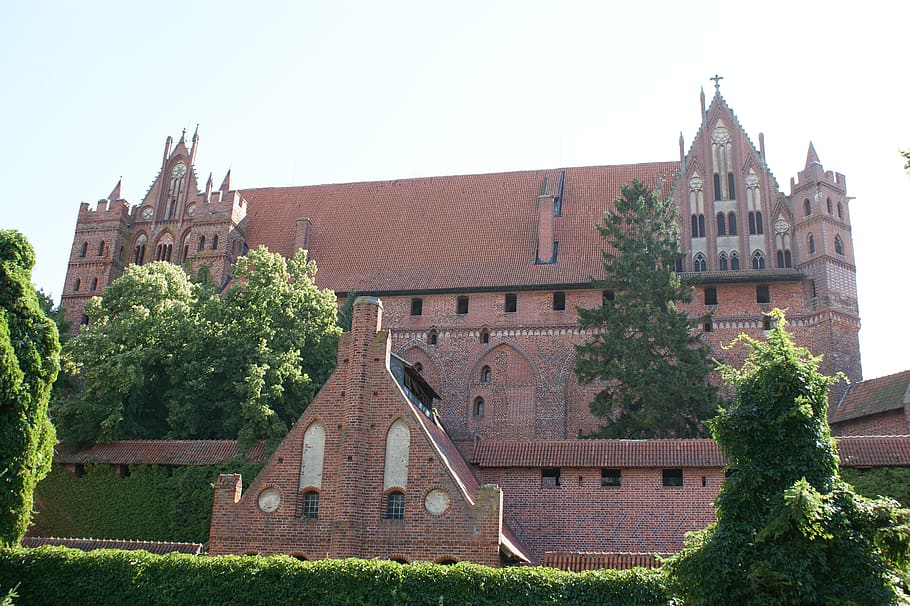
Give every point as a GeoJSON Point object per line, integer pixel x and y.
{"type": "Point", "coordinates": [717, 193]}
{"type": "Point", "coordinates": [807, 206]}
{"type": "Point", "coordinates": [721, 225]}
{"type": "Point", "coordinates": [838, 245]}
{"type": "Point", "coordinates": [484, 336]}
{"type": "Point", "coordinates": [758, 260]}
{"type": "Point", "coordinates": [77, 284]}
{"type": "Point", "coordinates": [432, 337]}
{"type": "Point", "coordinates": [94, 284]}
{"type": "Point", "coordinates": [734, 261]}
{"type": "Point", "coordinates": [722, 263]}
{"type": "Point", "coordinates": [485, 374]}
{"type": "Point", "coordinates": [84, 249]}
{"type": "Point", "coordinates": [700, 263]}
{"type": "Point", "coordinates": [731, 187]}
{"type": "Point", "coordinates": [215, 242]}
{"type": "Point", "coordinates": [830, 207]}
{"type": "Point", "coordinates": [201, 245]}
{"type": "Point", "coordinates": [811, 241]}
{"type": "Point", "coordinates": [101, 248]}
{"type": "Point", "coordinates": [840, 211]}
{"type": "Point", "coordinates": [478, 407]}
{"type": "Point", "coordinates": [139, 251]}
{"type": "Point", "coordinates": [731, 223]}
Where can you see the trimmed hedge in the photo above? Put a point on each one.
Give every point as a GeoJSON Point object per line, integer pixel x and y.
{"type": "Point", "coordinates": [153, 503]}
{"type": "Point", "coordinates": [52, 576]}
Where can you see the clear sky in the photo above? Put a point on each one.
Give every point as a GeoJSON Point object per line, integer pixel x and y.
{"type": "Point", "coordinates": [317, 92]}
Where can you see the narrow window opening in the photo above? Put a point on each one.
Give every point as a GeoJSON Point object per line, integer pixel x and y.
{"type": "Point", "coordinates": [838, 245]}
{"type": "Point", "coordinates": [766, 323]}
{"type": "Point", "coordinates": [94, 284]}
{"type": "Point", "coordinates": [559, 301]}
{"type": "Point", "coordinates": [722, 263]}
{"type": "Point", "coordinates": [840, 211]}
{"type": "Point", "coordinates": [310, 505]}
{"type": "Point", "coordinates": [549, 477]}
{"type": "Point", "coordinates": [394, 506]}
{"type": "Point", "coordinates": [731, 223]}
{"type": "Point", "coordinates": [701, 226]}
{"type": "Point", "coordinates": [830, 207]}
{"type": "Point", "coordinates": [416, 306]}
{"type": "Point", "coordinates": [708, 327]}
{"type": "Point", "coordinates": [717, 194]}
{"type": "Point", "coordinates": [758, 260]}
{"type": "Point", "coordinates": [807, 206]}
{"type": "Point", "coordinates": [485, 374]}
{"type": "Point", "coordinates": [101, 248]}
{"type": "Point", "coordinates": [511, 302]}
{"type": "Point", "coordinates": [811, 244]}
{"type": "Point", "coordinates": [700, 263]}
{"type": "Point", "coordinates": [762, 294]}
{"type": "Point", "coordinates": [721, 225]}
{"type": "Point", "coordinates": [215, 242]}
{"type": "Point", "coordinates": [461, 305]}
{"type": "Point", "coordinates": [751, 223]}
{"type": "Point", "coordinates": [201, 243]}
{"type": "Point", "coordinates": [673, 477]}
{"type": "Point", "coordinates": [484, 336]}
{"type": "Point", "coordinates": [731, 187]}
{"type": "Point", "coordinates": [611, 477]}
{"type": "Point", "coordinates": [758, 224]}
{"type": "Point", "coordinates": [478, 407]}
{"type": "Point", "coordinates": [710, 295]}
{"type": "Point", "coordinates": [734, 261]}
{"type": "Point", "coordinates": [77, 284]}
{"type": "Point", "coordinates": [432, 337]}
{"type": "Point", "coordinates": [84, 249]}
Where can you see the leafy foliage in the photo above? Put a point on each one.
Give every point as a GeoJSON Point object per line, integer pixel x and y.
{"type": "Point", "coordinates": [151, 503]}
{"type": "Point", "coordinates": [906, 154]}
{"type": "Point", "coordinates": [29, 361]}
{"type": "Point", "coordinates": [788, 530]}
{"type": "Point", "coordinates": [654, 366]}
{"type": "Point", "coordinates": [164, 357]}
{"type": "Point", "coordinates": [893, 482]}
{"type": "Point", "coordinates": [58, 576]}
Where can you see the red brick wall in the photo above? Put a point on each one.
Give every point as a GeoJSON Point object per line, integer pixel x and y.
{"type": "Point", "coordinates": [580, 515]}
{"type": "Point", "coordinates": [357, 406]}
{"type": "Point", "coordinates": [891, 423]}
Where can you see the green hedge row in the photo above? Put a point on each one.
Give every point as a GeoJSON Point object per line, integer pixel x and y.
{"type": "Point", "coordinates": [52, 576]}
{"type": "Point", "coordinates": [153, 503]}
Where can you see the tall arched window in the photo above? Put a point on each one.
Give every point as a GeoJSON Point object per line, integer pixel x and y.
{"type": "Point", "coordinates": [77, 283]}
{"type": "Point", "coordinates": [484, 336]}
{"type": "Point", "coordinates": [432, 337]}
{"type": "Point", "coordinates": [201, 243]}
{"type": "Point", "coordinates": [838, 245]}
{"type": "Point", "coordinates": [807, 206]}
{"type": "Point", "coordinates": [397, 453]}
{"type": "Point", "coordinates": [101, 248]}
{"type": "Point", "coordinates": [94, 284]}
{"type": "Point", "coordinates": [478, 407]}
{"type": "Point", "coordinates": [312, 456]}
{"type": "Point", "coordinates": [734, 260]}
{"type": "Point", "coordinates": [758, 260]}
{"type": "Point", "coordinates": [700, 263]}
{"type": "Point", "coordinates": [485, 374]}
{"type": "Point", "coordinates": [731, 189]}
{"type": "Point", "coordinates": [701, 226]}
{"type": "Point", "coordinates": [811, 240]}
{"type": "Point", "coordinates": [722, 262]}
{"type": "Point", "coordinates": [721, 225]}
{"type": "Point", "coordinates": [840, 211]}
{"type": "Point", "coordinates": [718, 195]}
{"type": "Point", "coordinates": [780, 258]}
{"type": "Point", "coordinates": [830, 207]}
{"type": "Point", "coordinates": [731, 223]}
{"type": "Point", "coordinates": [84, 249]}
{"type": "Point", "coordinates": [394, 509]}
{"type": "Point", "coordinates": [215, 242]}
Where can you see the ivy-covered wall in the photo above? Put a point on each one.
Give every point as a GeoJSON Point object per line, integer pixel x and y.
{"type": "Point", "coordinates": [152, 503]}
{"type": "Point", "coordinates": [891, 482]}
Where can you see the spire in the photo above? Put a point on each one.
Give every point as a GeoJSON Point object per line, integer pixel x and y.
{"type": "Point", "coordinates": [702, 103]}
{"type": "Point", "coordinates": [226, 184]}
{"type": "Point", "coordinates": [812, 157]}
{"type": "Point", "coordinates": [167, 151]}
{"type": "Point", "coordinates": [208, 189]}
{"type": "Point", "coordinates": [182, 138]}
{"type": "Point", "coordinates": [682, 148]}
{"type": "Point", "coordinates": [115, 193]}
{"type": "Point", "coordinates": [196, 135]}
{"type": "Point", "coordinates": [717, 80]}
{"type": "Point", "coordinates": [195, 143]}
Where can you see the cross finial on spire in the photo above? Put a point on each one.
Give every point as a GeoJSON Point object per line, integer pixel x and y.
{"type": "Point", "coordinates": [717, 80]}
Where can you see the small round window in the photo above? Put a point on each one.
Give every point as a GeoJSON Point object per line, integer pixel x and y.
{"type": "Point", "coordinates": [269, 499]}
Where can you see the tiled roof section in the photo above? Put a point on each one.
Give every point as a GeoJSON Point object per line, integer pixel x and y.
{"type": "Point", "coordinates": [451, 456]}
{"type": "Point", "coordinates": [873, 397]}
{"type": "Point", "coordinates": [854, 451]}
{"type": "Point", "coordinates": [874, 451]}
{"type": "Point", "coordinates": [374, 237]}
{"type": "Point", "coordinates": [91, 544]}
{"type": "Point", "coordinates": [158, 452]}
{"type": "Point", "coordinates": [577, 561]}
{"type": "Point", "coordinates": [599, 453]}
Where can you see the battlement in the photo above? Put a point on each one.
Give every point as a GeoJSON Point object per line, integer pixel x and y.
{"type": "Point", "coordinates": [104, 211]}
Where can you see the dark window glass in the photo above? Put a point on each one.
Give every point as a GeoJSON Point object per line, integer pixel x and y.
{"type": "Point", "coordinates": [811, 244]}
{"type": "Point", "coordinates": [731, 187]}
{"type": "Point", "coordinates": [394, 506]}
{"type": "Point", "coordinates": [478, 407]}
{"type": "Point", "coordinates": [84, 249]}
{"type": "Point", "coordinates": [310, 505]}
{"type": "Point", "coordinates": [734, 261]}
{"type": "Point", "coordinates": [511, 302]}
{"type": "Point", "coordinates": [759, 228]}
{"type": "Point", "coordinates": [721, 225]}
{"type": "Point", "coordinates": [559, 301]}
{"type": "Point", "coordinates": [762, 294]}
{"type": "Point", "coordinates": [611, 477]}
{"type": "Point", "coordinates": [485, 374]}
{"type": "Point", "coordinates": [807, 206]}
{"type": "Point", "coordinates": [101, 248]}
{"type": "Point", "coordinates": [433, 337]}
{"type": "Point", "coordinates": [752, 222]}
{"type": "Point", "coordinates": [549, 477]}
{"type": "Point", "coordinates": [673, 477]}
{"type": "Point", "coordinates": [461, 305]}
{"type": "Point", "coordinates": [416, 306]}
{"type": "Point", "coordinates": [484, 336]}
{"type": "Point", "coordinates": [717, 186]}
{"type": "Point", "coordinates": [731, 223]}
{"type": "Point", "coordinates": [710, 295]}
{"type": "Point", "coordinates": [607, 295]}
{"type": "Point", "coordinates": [838, 245]}
{"type": "Point", "coordinates": [708, 327]}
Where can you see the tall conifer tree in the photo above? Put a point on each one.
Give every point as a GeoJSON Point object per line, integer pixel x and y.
{"type": "Point", "coordinates": [653, 365]}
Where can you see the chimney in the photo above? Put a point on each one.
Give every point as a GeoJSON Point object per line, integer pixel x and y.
{"type": "Point", "coordinates": [302, 231]}
{"type": "Point", "coordinates": [546, 251]}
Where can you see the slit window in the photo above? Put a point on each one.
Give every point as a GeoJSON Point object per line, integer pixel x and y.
{"type": "Point", "coordinates": [478, 407]}
{"type": "Point", "coordinates": [511, 302]}
{"type": "Point", "coordinates": [559, 301]}
{"type": "Point", "coordinates": [484, 336]}
{"type": "Point", "coordinates": [416, 306]}
{"type": "Point", "coordinates": [461, 305]}
{"type": "Point", "coordinates": [485, 374]}
{"type": "Point", "coordinates": [432, 337]}
{"type": "Point", "coordinates": [611, 477]}
{"type": "Point", "coordinates": [673, 477]}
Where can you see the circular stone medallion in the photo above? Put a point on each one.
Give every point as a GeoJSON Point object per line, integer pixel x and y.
{"type": "Point", "coordinates": [269, 499]}
{"type": "Point", "coordinates": [436, 502]}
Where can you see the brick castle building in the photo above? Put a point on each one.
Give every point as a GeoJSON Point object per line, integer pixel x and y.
{"type": "Point", "coordinates": [479, 277]}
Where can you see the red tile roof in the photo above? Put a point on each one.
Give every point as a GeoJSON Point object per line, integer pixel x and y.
{"type": "Point", "coordinates": [481, 229]}
{"type": "Point", "coordinates": [854, 451]}
{"type": "Point", "coordinates": [874, 451]}
{"type": "Point", "coordinates": [577, 561]}
{"type": "Point", "coordinates": [599, 453]}
{"type": "Point", "coordinates": [873, 397]}
{"type": "Point", "coordinates": [91, 544]}
{"type": "Point", "coordinates": [157, 452]}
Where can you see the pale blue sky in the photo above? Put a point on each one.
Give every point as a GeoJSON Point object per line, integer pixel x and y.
{"type": "Point", "coordinates": [317, 92]}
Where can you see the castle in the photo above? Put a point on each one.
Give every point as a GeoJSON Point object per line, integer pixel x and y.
{"type": "Point", "coordinates": [479, 277]}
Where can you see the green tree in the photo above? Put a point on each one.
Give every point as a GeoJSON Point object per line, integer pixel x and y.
{"type": "Point", "coordinates": [165, 357]}
{"type": "Point", "coordinates": [788, 530]}
{"type": "Point", "coordinates": [906, 154]}
{"type": "Point", "coordinates": [29, 361]}
{"type": "Point", "coordinates": [655, 369]}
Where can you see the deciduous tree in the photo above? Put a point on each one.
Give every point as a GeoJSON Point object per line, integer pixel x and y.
{"type": "Point", "coordinates": [653, 365]}
{"type": "Point", "coordinates": [29, 361]}
{"type": "Point", "coordinates": [788, 530]}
